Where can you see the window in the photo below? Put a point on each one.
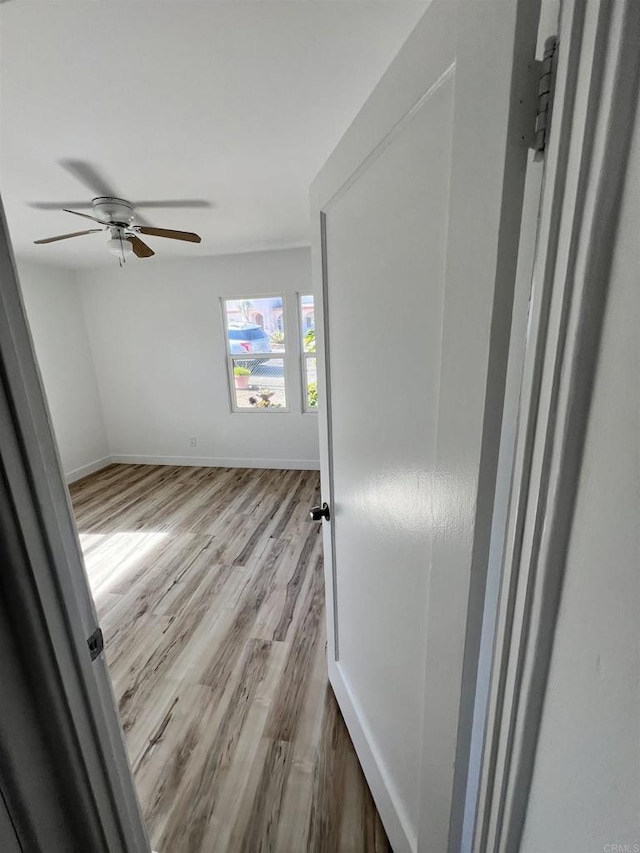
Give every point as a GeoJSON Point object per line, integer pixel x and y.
{"type": "Point", "coordinates": [256, 354]}
{"type": "Point", "coordinates": [308, 346]}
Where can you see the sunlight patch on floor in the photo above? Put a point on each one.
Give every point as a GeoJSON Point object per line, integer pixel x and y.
{"type": "Point", "coordinates": [110, 557]}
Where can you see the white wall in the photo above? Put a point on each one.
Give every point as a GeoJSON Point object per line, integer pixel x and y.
{"type": "Point", "coordinates": [62, 349]}
{"type": "Point", "coordinates": [585, 794]}
{"type": "Point", "coordinates": [159, 351]}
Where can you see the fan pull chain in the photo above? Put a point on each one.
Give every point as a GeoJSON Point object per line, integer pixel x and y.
{"type": "Point", "coordinates": [122, 260]}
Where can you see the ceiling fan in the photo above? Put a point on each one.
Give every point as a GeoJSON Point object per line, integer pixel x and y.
{"type": "Point", "coordinates": [117, 215]}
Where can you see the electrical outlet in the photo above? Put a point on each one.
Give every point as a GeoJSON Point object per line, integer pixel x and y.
{"type": "Point", "coordinates": [193, 441]}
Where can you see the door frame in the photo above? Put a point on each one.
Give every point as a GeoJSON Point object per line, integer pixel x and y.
{"type": "Point", "coordinates": [61, 709]}
{"type": "Point", "coordinates": [598, 76]}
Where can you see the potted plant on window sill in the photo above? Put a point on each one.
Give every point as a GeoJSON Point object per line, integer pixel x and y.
{"type": "Point", "coordinates": [241, 376]}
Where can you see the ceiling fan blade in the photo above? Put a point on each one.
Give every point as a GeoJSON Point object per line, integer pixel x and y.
{"type": "Point", "coordinates": [66, 236]}
{"type": "Point", "coordinates": [57, 205]}
{"type": "Point", "coordinates": [87, 216]}
{"type": "Point", "coordinates": [189, 236]}
{"type": "Point", "coordinates": [173, 203]}
{"type": "Point", "coordinates": [141, 250]}
{"type": "Point", "coordinates": [89, 176]}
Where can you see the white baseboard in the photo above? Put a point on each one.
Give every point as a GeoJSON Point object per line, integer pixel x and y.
{"type": "Point", "coordinates": [193, 461]}
{"type": "Point", "coordinates": [85, 470]}
{"type": "Point", "coordinates": [218, 462]}
{"type": "Point", "coordinates": [393, 816]}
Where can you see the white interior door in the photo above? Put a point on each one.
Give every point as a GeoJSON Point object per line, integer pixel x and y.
{"type": "Point", "coordinates": [416, 220]}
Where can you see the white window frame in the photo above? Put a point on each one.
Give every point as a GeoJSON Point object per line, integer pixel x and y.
{"type": "Point", "coordinates": [306, 408]}
{"type": "Point", "coordinates": [231, 359]}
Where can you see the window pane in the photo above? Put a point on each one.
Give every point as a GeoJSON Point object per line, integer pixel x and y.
{"type": "Point", "coordinates": [307, 323]}
{"type": "Point", "coordinates": [312, 383]}
{"type": "Point", "coordinates": [255, 325]}
{"type": "Point", "coordinates": [259, 383]}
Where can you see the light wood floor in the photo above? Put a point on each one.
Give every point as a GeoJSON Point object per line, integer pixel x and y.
{"type": "Point", "coordinates": [209, 588]}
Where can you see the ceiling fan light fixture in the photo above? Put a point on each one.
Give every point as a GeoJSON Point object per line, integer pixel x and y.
{"type": "Point", "coordinates": [119, 247]}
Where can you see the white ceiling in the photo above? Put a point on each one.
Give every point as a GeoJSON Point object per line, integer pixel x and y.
{"type": "Point", "coordinates": [238, 103]}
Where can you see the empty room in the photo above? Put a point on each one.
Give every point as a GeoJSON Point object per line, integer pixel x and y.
{"type": "Point", "coordinates": [319, 417]}
{"type": "Point", "coordinates": [182, 385]}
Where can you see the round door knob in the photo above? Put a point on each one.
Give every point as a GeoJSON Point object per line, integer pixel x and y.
{"type": "Point", "coordinates": [317, 513]}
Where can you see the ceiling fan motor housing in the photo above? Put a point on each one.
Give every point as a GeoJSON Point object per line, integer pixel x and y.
{"type": "Point", "coordinates": [113, 209]}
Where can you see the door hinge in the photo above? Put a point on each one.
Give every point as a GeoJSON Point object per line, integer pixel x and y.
{"type": "Point", "coordinates": [96, 643]}
{"type": "Point", "coordinates": [546, 86]}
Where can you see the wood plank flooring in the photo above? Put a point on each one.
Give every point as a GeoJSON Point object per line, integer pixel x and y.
{"type": "Point", "coordinates": [209, 587]}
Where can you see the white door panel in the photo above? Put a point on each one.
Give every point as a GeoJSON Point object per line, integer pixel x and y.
{"type": "Point", "coordinates": [416, 224]}
{"type": "Point", "coordinates": [385, 331]}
